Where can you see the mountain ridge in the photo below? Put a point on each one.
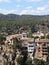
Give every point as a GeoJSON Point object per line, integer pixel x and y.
{"type": "Point", "coordinates": [24, 18]}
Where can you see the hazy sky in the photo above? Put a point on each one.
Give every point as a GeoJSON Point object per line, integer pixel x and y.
{"type": "Point", "coordinates": [33, 7]}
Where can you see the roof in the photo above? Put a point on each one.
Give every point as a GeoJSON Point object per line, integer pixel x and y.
{"type": "Point", "coordinates": [13, 36]}
{"type": "Point", "coordinates": [42, 40]}
{"type": "Point", "coordinates": [27, 40]}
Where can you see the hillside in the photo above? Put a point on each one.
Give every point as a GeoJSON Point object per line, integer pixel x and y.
{"type": "Point", "coordinates": [12, 22]}
{"type": "Point", "coordinates": [24, 17]}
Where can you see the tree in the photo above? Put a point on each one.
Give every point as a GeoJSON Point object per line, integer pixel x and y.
{"type": "Point", "coordinates": [42, 37]}
{"type": "Point", "coordinates": [36, 37]}
{"type": "Point", "coordinates": [39, 62]}
{"type": "Point", "coordinates": [29, 61]}
{"type": "Point", "coordinates": [47, 36]}
{"type": "Point", "coordinates": [30, 35]}
{"type": "Point", "coordinates": [20, 60]}
{"type": "Point", "coordinates": [16, 43]}
{"type": "Point", "coordinates": [34, 28]}
{"type": "Point", "coordinates": [25, 54]}
{"type": "Point", "coordinates": [2, 38]}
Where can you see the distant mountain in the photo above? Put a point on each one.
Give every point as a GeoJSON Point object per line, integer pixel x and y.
{"type": "Point", "coordinates": [24, 18]}
{"type": "Point", "coordinates": [14, 17]}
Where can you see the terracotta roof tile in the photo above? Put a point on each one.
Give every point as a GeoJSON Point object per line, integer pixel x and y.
{"type": "Point", "coordinates": [27, 39]}
{"type": "Point", "coordinates": [42, 40]}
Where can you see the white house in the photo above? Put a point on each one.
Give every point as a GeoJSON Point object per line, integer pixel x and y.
{"type": "Point", "coordinates": [39, 34]}
{"type": "Point", "coordinates": [30, 44]}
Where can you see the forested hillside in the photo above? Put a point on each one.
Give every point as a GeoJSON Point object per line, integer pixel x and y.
{"type": "Point", "coordinates": [24, 19]}
{"type": "Point", "coordinates": [11, 22]}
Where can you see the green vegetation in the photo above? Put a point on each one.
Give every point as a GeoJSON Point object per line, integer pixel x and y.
{"type": "Point", "coordinates": [42, 37]}
{"type": "Point", "coordinates": [29, 61]}
{"type": "Point", "coordinates": [36, 37]}
{"type": "Point", "coordinates": [20, 60]}
{"type": "Point", "coordinates": [39, 62]}
{"type": "Point", "coordinates": [47, 36]}
{"type": "Point", "coordinates": [16, 44]}
{"type": "Point", "coordinates": [11, 23]}
{"type": "Point", "coordinates": [30, 36]}
{"type": "Point", "coordinates": [2, 38]}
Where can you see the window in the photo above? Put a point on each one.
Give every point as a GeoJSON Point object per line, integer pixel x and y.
{"type": "Point", "coordinates": [31, 46]}
{"type": "Point", "coordinates": [44, 53]}
{"type": "Point", "coordinates": [39, 49]}
{"type": "Point", "coordinates": [44, 50]}
{"type": "Point", "coordinates": [44, 44]}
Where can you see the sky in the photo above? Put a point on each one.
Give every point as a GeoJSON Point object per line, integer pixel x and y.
{"type": "Point", "coordinates": [27, 7]}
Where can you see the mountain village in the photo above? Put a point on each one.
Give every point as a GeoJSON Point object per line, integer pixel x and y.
{"type": "Point", "coordinates": [34, 48]}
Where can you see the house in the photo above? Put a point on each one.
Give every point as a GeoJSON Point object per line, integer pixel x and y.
{"type": "Point", "coordinates": [9, 39]}
{"type": "Point", "coordinates": [39, 34]}
{"type": "Point", "coordinates": [30, 44]}
{"type": "Point", "coordinates": [42, 49]}
{"type": "Point", "coordinates": [24, 35]}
